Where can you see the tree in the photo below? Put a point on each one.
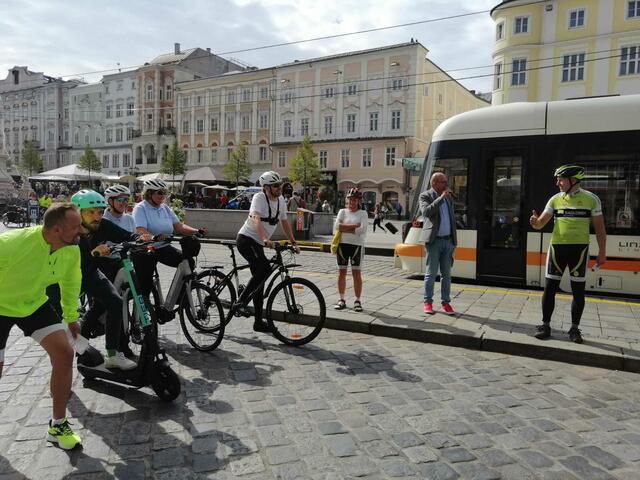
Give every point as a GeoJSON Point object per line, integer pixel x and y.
{"type": "Point", "coordinates": [305, 168]}
{"type": "Point", "coordinates": [238, 168]}
{"type": "Point", "coordinates": [31, 160]}
{"type": "Point", "coordinates": [89, 161]}
{"type": "Point", "coordinates": [174, 162]}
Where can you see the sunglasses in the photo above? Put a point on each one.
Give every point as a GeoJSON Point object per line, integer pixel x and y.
{"type": "Point", "coordinates": [160, 192]}
{"type": "Point", "coordinates": [276, 185]}
{"type": "Point", "coordinates": [121, 199]}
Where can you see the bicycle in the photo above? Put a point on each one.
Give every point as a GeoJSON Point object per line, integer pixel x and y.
{"type": "Point", "coordinates": [295, 303]}
{"type": "Point", "coordinates": [152, 363]}
{"type": "Point", "coordinates": [198, 307]}
{"type": "Point", "coordinates": [16, 216]}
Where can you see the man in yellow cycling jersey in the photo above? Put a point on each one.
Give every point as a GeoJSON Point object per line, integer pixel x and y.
{"type": "Point", "coordinates": [573, 210]}
{"type": "Point", "coordinates": [31, 259]}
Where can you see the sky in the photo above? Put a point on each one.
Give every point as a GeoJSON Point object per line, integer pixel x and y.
{"type": "Point", "coordinates": [71, 38]}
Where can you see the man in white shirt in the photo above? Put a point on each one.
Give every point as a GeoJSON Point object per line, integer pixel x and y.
{"type": "Point", "coordinates": [268, 208]}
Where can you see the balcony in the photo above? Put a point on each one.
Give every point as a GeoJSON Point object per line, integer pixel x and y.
{"type": "Point", "coordinates": [166, 131]}
{"type": "Point", "coordinates": [35, 143]}
{"type": "Point", "coordinates": [136, 133]}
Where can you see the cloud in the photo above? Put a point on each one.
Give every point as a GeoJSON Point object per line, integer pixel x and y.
{"type": "Point", "coordinates": [69, 37]}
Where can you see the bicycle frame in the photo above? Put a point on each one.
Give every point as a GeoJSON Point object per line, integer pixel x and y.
{"type": "Point", "coordinates": [180, 283]}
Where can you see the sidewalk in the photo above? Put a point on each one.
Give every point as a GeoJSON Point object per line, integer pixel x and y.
{"type": "Point", "coordinates": [493, 319]}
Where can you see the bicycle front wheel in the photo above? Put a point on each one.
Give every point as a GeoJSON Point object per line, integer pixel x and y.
{"type": "Point", "coordinates": [220, 284]}
{"type": "Point", "coordinates": [296, 311]}
{"type": "Point", "coordinates": [203, 325]}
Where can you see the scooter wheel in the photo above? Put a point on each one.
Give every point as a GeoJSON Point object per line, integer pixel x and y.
{"type": "Point", "coordinates": [166, 383]}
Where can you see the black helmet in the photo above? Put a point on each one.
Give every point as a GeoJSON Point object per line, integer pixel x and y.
{"type": "Point", "coordinates": [569, 171]}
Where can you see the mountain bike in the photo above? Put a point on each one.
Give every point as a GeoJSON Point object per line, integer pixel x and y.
{"type": "Point", "coordinates": [295, 310]}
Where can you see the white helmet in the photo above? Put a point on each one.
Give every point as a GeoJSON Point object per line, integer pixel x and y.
{"type": "Point", "coordinates": [269, 178]}
{"type": "Point", "coordinates": [116, 191]}
{"type": "Point", "coordinates": [154, 185]}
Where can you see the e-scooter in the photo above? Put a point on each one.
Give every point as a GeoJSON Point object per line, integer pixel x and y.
{"type": "Point", "coordinates": [153, 365]}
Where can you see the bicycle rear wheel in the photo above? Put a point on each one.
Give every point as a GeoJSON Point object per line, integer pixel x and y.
{"type": "Point", "coordinates": [296, 311]}
{"type": "Point", "coordinates": [203, 326]}
{"type": "Point", "coordinates": [220, 284]}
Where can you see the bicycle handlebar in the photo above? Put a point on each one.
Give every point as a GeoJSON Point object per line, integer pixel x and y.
{"type": "Point", "coordinates": [119, 250]}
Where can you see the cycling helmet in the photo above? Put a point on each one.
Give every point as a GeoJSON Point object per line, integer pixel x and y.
{"type": "Point", "coordinates": [354, 192]}
{"type": "Point", "coordinates": [116, 191]}
{"type": "Point", "coordinates": [154, 185]}
{"type": "Point", "coordinates": [568, 171]}
{"type": "Point", "coordinates": [88, 199]}
{"type": "Point", "coordinates": [269, 178]}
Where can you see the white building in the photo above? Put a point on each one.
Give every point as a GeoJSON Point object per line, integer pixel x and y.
{"type": "Point", "coordinates": [86, 125]}
{"type": "Point", "coordinates": [35, 107]}
{"type": "Point", "coordinates": [120, 120]}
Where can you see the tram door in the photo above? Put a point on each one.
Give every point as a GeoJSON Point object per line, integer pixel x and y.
{"type": "Point", "coordinates": [502, 226]}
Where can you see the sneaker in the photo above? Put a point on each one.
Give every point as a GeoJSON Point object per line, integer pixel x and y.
{"type": "Point", "coordinates": [262, 327]}
{"type": "Point", "coordinates": [120, 362]}
{"type": "Point", "coordinates": [543, 331]}
{"type": "Point", "coordinates": [428, 308]}
{"type": "Point", "coordinates": [127, 352]}
{"type": "Point", "coordinates": [63, 435]}
{"type": "Point", "coordinates": [240, 310]}
{"type": "Point", "coordinates": [448, 309]}
{"type": "Point", "coordinates": [575, 335]}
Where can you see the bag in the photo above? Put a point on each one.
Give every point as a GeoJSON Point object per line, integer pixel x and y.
{"type": "Point", "coordinates": [335, 241]}
{"type": "Point", "coordinates": [391, 227]}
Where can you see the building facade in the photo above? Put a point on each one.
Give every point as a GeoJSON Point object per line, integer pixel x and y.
{"type": "Point", "coordinates": [35, 107]}
{"type": "Point", "coordinates": [217, 114]}
{"type": "Point", "coordinates": [155, 81]}
{"type": "Point", "coordinates": [364, 112]}
{"type": "Point", "coordinates": [86, 125]}
{"type": "Point", "coordinates": [563, 49]}
{"type": "Point", "coordinates": [120, 115]}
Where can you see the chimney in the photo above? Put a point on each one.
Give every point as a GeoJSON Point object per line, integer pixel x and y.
{"type": "Point", "coordinates": [208, 49]}
{"type": "Point", "coordinates": [176, 48]}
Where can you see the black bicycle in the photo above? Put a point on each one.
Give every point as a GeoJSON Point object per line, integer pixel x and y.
{"type": "Point", "coordinates": [16, 216]}
{"type": "Point", "coordinates": [295, 309]}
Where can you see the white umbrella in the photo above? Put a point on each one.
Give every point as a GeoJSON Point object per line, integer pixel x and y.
{"type": "Point", "coordinates": [69, 172]}
{"type": "Point", "coordinates": [217, 187]}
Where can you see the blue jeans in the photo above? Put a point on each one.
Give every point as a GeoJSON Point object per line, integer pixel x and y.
{"type": "Point", "coordinates": [439, 256]}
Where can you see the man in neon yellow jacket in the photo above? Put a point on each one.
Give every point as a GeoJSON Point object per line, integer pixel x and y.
{"type": "Point", "coordinates": [30, 260]}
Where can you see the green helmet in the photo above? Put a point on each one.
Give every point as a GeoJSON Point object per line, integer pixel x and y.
{"type": "Point", "coordinates": [568, 171]}
{"type": "Point", "coordinates": [88, 199]}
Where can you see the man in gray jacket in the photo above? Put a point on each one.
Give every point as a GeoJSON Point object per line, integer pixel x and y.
{"type": "Point", "coordinates": [439, 235]}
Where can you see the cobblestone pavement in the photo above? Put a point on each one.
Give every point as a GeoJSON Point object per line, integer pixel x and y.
{"type": "Point", "coordinates": [349, 405]}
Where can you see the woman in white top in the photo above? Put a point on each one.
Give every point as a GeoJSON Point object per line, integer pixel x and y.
{"type": "Point", "coordinates": [352, 222]}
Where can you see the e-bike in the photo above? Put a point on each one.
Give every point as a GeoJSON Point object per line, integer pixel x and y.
{"type": "Point", "coordinates": [153, 365]}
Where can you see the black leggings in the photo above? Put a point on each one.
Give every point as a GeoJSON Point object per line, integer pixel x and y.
{"type": "Point", "coordinates": [549, 300]}
{"type": "Point", "coordinates": [253, 253]}
{"type": "Point", "coordinates": [145, 265]}
{"type": "Point", "coordinates": [376, 221]}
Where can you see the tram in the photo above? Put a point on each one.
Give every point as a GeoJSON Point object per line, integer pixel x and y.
{"type": "Point", "coordinates": [500, 162]}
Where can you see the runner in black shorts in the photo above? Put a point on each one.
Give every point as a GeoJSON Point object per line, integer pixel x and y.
{"type": "Point", "coordinates": [573, 210]}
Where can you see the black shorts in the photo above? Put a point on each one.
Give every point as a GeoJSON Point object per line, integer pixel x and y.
{"type": "Point", "coordinates": [573, 256]}
{"type": "Point", "coordinates": [346, 252]}
{"type": "Point", "coordinates": [38, 325]}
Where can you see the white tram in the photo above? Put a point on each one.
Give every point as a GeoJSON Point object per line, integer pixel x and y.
{"type": "Point", "coordinates": [500, 162]}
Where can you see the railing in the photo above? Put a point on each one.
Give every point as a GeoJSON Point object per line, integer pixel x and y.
{"type": "Point", "coordinates": [136, 133]}
{"type": "Point", "coordinates": [166, 131]}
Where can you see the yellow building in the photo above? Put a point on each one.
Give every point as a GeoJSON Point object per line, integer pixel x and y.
{"type": "Point", "coordinates": [563, 49]}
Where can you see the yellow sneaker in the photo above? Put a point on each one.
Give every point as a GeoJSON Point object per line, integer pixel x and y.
{"type": "Point", "coordinates": [63, 435]}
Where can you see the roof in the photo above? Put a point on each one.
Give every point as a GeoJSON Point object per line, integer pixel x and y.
{"type": "Point", "coordinates": [172, 57]}
{"type": "Point", "coordinates": [598, 114]}
{"type": "Point", "coordinates": [500, 5]}
{"type": "Point", "coordinates": [349, 54]}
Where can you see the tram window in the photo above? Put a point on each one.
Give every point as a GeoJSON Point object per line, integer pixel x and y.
{"type": "Point", "coordinates": [504, 203]}
{"type": "Point", "coordinates": [615, 179]}
{"type": "Point", "coordinates": [457, 171]}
